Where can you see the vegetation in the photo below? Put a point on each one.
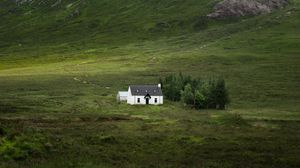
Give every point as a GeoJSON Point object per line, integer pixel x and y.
{"type": "Point", "coordinates": [60, 71]}
{"type": "Point", "coordinates": [17, 146]}
{"type": "Point", "coordinates": [195, 92]}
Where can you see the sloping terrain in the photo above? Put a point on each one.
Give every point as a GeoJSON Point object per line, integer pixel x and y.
{"type": "Point", "coordinates": [238, 8]}
{"type": "Point", "coordinates": [62, 62]}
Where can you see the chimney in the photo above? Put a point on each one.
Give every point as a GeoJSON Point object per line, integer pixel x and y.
{"type": "Point", "coordinates": [159, 85]}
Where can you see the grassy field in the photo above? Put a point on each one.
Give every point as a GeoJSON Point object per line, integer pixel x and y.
{"type": "Point", "coordinates": [60, 71]}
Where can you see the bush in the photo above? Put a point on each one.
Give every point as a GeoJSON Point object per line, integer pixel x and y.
{"type": "Point", "coordinates": [9, 150]}
{"type": "Point", "coordinates": [20, 147]}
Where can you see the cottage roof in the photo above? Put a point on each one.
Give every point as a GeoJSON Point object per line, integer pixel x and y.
{"type": "Point", "coordinates": [142, 90]}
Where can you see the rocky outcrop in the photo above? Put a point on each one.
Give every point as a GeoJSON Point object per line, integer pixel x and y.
{"type": "Point", "coordinates": [238, 8]}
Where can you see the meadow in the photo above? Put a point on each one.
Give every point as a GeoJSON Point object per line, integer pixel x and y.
{"type": "Point", "coordinates": [59, 77]}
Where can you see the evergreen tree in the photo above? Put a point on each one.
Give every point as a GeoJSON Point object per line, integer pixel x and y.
{"type": "Point", "coordinates": [212, 97]}
{"type": "Point", "coordinates": [221, 93]}
{"type": "Point", "coordinates": [203, 95]}
{"type": "Point", "coordinates": [200, 100]}
{"type": "Point", "coordinates": [173, 84]}
{"type": "Point", "coordinates": [196, 93]}
{"type": "Point", "coordinates": [187, 95]}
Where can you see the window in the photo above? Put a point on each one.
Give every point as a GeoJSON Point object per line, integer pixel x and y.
{"type": "Point", "coordinates": [155, 100]}
{"type": "Point", "coordinates": [138, 100]}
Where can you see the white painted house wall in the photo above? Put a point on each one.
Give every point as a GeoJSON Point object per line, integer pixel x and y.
{"type": "Point", "coordinates": [130, 98]}
{"type": "Point", "coordinates": [134, 99]}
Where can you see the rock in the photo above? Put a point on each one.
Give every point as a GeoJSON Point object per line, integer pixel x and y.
{"type": "Point", "coordinates": [238, 8]}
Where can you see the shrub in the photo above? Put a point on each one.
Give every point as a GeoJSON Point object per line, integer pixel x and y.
{"type": "Point", "coordinates": [20, 147]}
{"type": "Point", "coordinates": [8, 150]}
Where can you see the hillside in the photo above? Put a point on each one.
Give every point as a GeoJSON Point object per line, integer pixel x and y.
{"type": "Point", "coordinates": [62, 63]}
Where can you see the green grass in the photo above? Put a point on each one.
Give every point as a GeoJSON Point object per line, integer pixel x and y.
{"type": "Point", "coordinates": [59, 76]}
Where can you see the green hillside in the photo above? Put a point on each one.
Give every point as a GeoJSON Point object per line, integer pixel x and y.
{"type": "Point", "coordinates": [62, 63]}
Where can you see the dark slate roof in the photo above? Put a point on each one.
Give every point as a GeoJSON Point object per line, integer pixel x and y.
{"type": "Point", "coordinates": [143, 90]}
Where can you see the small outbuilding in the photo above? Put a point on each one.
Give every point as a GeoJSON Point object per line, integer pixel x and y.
{"type": "Point", "coordinates": [122, 96]}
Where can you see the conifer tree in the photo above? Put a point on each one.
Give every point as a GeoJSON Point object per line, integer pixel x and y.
{"type": "Point", "coordinates": [221, 94]}
{"type": "Point", "coordinates": [187, 95]}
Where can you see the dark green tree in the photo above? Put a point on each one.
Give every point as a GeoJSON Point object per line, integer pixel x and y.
{"type": "Point", "coordinates": [211, 96]}
{"type": "Point", "coordinates": [221, 94]}
{"type": "Point", "coordinates": [201, 96]}
{"type": "Point", "coordinates": [195, 92]}
{"type": "Point", "coordinates": [187, 95]}
{"type": "Point", "coordinates": [172, 85]}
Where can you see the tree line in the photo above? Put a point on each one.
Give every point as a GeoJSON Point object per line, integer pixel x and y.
{"type": "Point", "coordinates": [197, 93]}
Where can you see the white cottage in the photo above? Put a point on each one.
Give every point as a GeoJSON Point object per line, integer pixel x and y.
{"type": "Point", "coordinates": [143, 94]}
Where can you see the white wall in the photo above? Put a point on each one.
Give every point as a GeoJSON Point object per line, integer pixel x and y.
{"type": "Point", "coordinates": [134, 99]}
{"type": "Point", "coordinates": [130, 98]}
{"type": "Point", "coordinates": [121, 96]}
{"type": "Point", "coordinates": [159, 100]}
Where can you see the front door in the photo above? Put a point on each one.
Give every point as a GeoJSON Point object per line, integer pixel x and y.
{"type": "Point", "coordinates": [147, 98]}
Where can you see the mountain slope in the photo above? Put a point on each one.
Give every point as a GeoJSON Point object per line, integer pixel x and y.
{"type": "Point", "coordinates": [154, 35]}
{"type": "Point", "coordinates": [73, 26]}
{"type": "Point", "coordinates": [43, 32]}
